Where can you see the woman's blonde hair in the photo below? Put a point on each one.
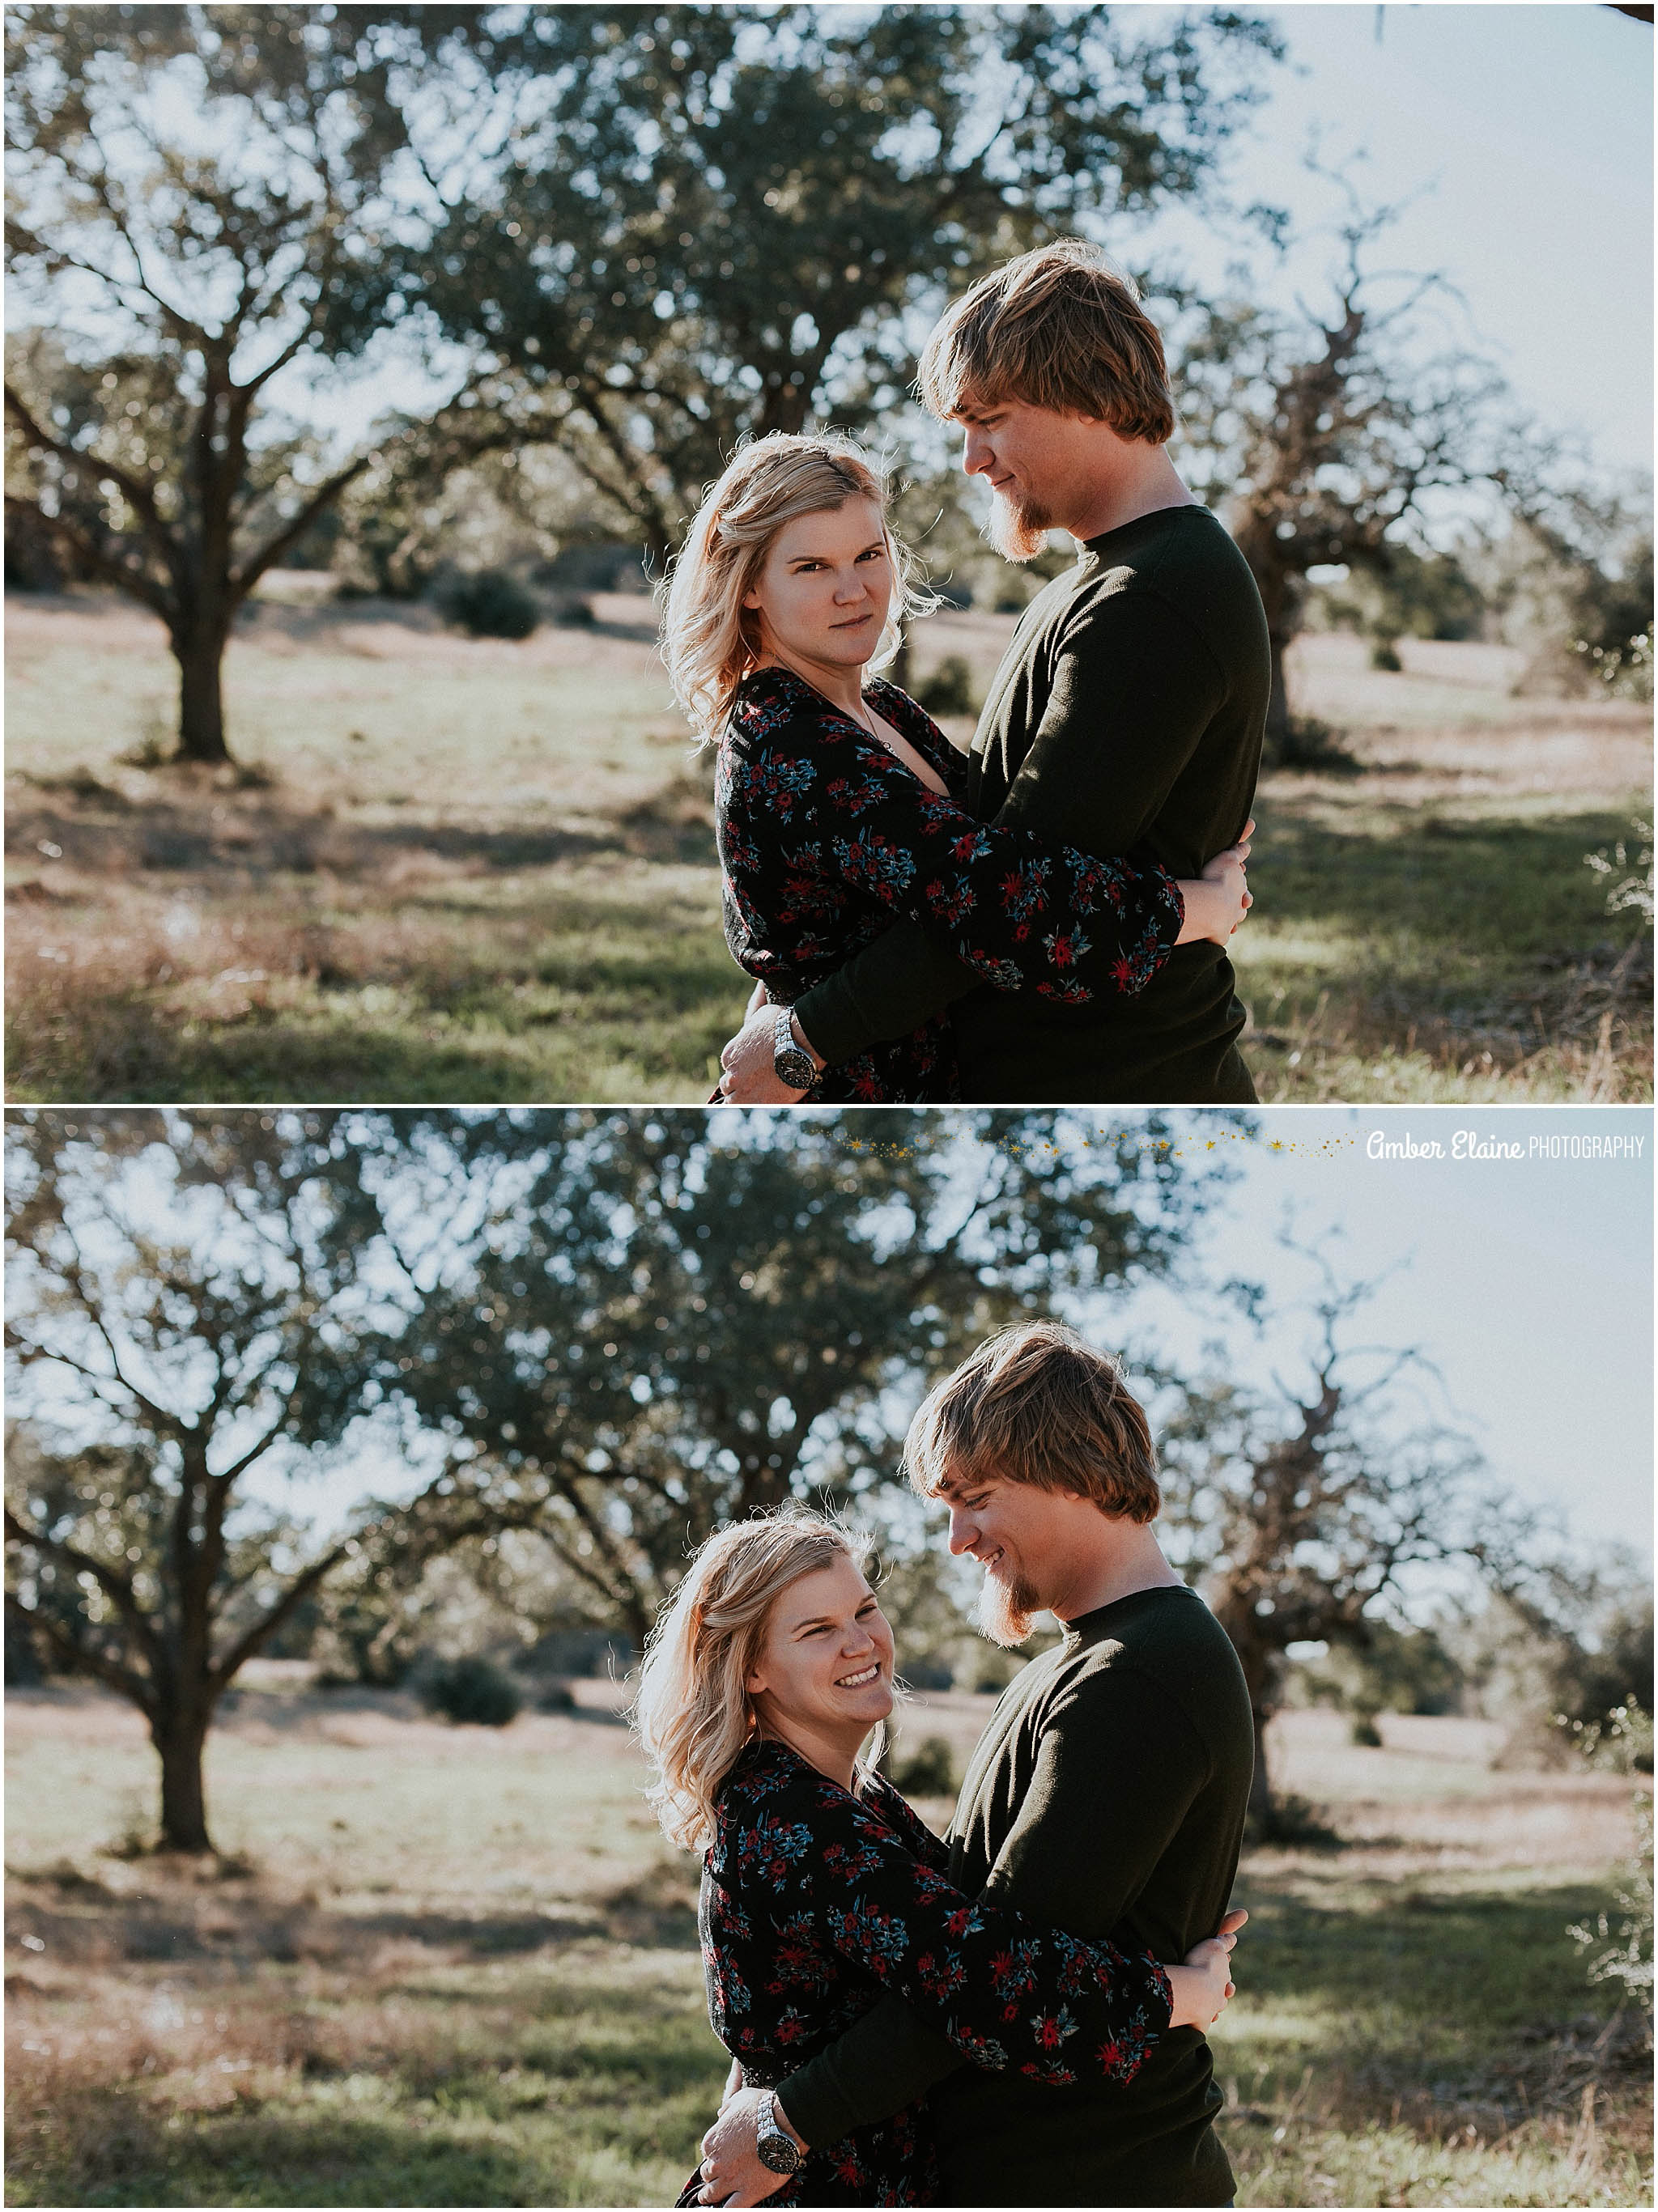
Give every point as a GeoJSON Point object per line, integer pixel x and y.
{"type": "Point", "coordinates": [692, 1714]}
{"type": "Point", "coordinates": [709, 640]}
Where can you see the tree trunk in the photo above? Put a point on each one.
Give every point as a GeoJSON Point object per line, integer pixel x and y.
{"type": "Point", "coordinates": [200, 656]}
{"type": "Point", "coordinates": [1260, 1784]}
{"type": "Point", "coordinates": [1281, 600]}
{"type": "Point", "coordinates": [184, 1804]}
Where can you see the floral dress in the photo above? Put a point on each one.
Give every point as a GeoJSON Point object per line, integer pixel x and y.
{"type": "Point", "coordinates": [814, 1902]}
{"type": "Point", "coordinates": [826, 838]}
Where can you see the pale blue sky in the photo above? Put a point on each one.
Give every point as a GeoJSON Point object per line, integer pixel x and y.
{"type": "Point", "coordinates": [1528, 1283]}
{"type": "Point", "coordinates": [1526, 132]}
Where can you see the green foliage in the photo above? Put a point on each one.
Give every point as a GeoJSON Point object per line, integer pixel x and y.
{"type": "Point", "coordinates": [928, 1770]}
{"type": "Point", "coordinates": [1395, 1669]}
{"type": "Point", "coordinates": [1631, 892]}
{"type": "Point", "coordinates": [473, 1690]}
{"type": "Point", "coordinates": [950, 689]}
{"type": "Point", "coordinates": [1620, 1944]}
{"type": "Point", "coordinates": [663, 1322]}
{"type": "Point", "coordinates": [1383, 655]}
{"type": "Point", "coordinates": [1309, 746]}
{"type": "Point", "coordinates": [739, 209]}
{"type": "Point", "coordinates": [489, 603]}
{"type": "Point", "coordinates": [1413, 594]}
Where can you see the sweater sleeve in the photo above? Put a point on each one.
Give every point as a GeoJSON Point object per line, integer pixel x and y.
{"type": "Point", "coordinates": [1004, 1991]}
{"type": "Point", "coordinates": [1115, 1774]}
{"type": "Point", "coordinates": [1022, 910]}
{"type": "Point", "coordinates": [1134, 688]}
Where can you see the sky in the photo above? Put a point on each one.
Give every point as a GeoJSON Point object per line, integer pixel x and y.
{"type": "Point", "coordinates": [1528, 1282]}
{"type": "Point", "coordinates": [1523, 137]}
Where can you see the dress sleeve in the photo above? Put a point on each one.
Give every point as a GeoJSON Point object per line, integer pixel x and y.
{"type": "Point", "coordinates": [1020, 910]}
{"type": "Point", "coordinates": [1005, 1990]}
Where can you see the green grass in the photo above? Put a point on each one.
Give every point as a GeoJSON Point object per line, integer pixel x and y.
{"type": "Point", "coordinates": [458, 1966]}
{"type": "Point", "coordinates": [470, 871]}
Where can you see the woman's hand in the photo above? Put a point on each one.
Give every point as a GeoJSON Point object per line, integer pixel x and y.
{"type": "Point", "coordinates": [1220, 898]}
{"type": "Point", "coordinates": [1203, 1984]}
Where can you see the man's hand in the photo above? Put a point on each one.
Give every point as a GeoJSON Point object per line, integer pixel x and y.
{"type": "Point", "coordinates": [748, 1076]}
{"type": "Point", "coordinates": [731, 2168]}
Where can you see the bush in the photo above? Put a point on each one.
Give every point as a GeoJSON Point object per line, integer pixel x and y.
{"type": "Point", "coordinates": [950, 689]}
{"type": "Point", "coordinates": [1364, 1731]}
{"type": "Point", "coordinates": [473, 1690]}
{"type": "Point", "coordinates": [1310, 747]}
{"type": "Point", "coordinates": [1384, 654]}
{"type": "Point", "coordinates": [490, 603]}
{"type": "Point", "coordinates": [930, 1770]}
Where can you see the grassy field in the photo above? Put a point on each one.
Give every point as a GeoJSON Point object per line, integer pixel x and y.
{"type": "Point", "coordinates": [457, 1966]}
{"type": "Point", "coordinates": [452, 870]}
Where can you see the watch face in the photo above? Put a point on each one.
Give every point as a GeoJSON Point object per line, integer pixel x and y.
{"type": "Point", "coordinates": [778, 2154]}
{"type": "Point", "coordinates": [796, 1068]}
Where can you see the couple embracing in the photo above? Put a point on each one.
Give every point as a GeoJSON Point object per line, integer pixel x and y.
{"type": "Point", "coordinates": [1047, 918]}
{"type": "Point", "coordinates": [1013, 2016]}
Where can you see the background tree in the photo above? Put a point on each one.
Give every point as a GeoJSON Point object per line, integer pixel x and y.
{"type": "Point", "coordinates": [206, 198]}
{"type": "Point", "coordinates": [710, 222]}
{"type": "Point", "coordinates": [661, 1323]}
{"type": "Point", "coordinates": [1300, 1515]}
{"type": "Point", "coordinates": [195, 1304]}
{"type": "Point", "coordinates": [1318, 437]}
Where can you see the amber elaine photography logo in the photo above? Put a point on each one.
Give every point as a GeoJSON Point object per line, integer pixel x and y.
{"type": "Point", "coordinates": [1474, 1145]}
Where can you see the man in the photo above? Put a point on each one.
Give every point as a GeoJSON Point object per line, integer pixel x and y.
{"type": "Point", "coordinates": [1125, 717]}
{"type": "Point", "coordinates": [1107, 1798]}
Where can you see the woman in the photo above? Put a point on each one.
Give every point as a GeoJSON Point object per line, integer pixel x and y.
{"type": "Point", "coordinates": [838, 799]}
{"type": "Point", "coordinates": [821, 1889]}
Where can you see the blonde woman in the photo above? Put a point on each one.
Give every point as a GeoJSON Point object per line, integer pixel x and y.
{"type": "Point", "coordinates": [839, 800]}
{"type": "Point", "coordinates": [769, 1675]}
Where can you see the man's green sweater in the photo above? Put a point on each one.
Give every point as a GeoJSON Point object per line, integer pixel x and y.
{"type": "Point", "coordinates": [1106, 1797]}
{"type": "Point", "coordinates": [1125, 719]}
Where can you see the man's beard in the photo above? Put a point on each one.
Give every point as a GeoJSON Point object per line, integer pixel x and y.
{"type": "Point", "coordinates": [1018, 530]}
{"type": "Point", "coordinates": [1007, 1611]}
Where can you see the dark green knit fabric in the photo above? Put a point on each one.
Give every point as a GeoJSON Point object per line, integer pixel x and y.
{"type": "Point", "coordinates": [1106, 1796]}
{"type": "Point", "coordinates": [1125, 719]}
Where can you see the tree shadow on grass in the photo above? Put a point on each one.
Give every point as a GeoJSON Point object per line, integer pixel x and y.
{"type": "Point", "coordinates": [1509, 889]}
{"type": "Point", "coordinates": [1411, 1977]}
{"type": "Point", "coordinates": [126, 2152]}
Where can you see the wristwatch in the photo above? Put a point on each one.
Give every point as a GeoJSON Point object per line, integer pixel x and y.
{"type": "Point", "coordinates": [779, 2152]}
{"type": "Point", "coordinates": [797, 1071]}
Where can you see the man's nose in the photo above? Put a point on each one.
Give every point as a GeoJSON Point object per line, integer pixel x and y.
{"type": "Point", "coordinates": [975, 452]}
{"type": "Point", "coordinates": [963, 1531]}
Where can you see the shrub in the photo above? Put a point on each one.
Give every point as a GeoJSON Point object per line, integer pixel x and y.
{"type": "Point", "coordinates": [489, 603]}
{"type": "Point", "coordinates": [930, 1770]}
{"type": "Point", "coordinates": [473, 1690]}
{"type": "Point", "coordinates": [950, 689]}
{"type": "Point", "coordinates": [1384, 653]}
{"type": "Point", "coordinates": [1310, 747]}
